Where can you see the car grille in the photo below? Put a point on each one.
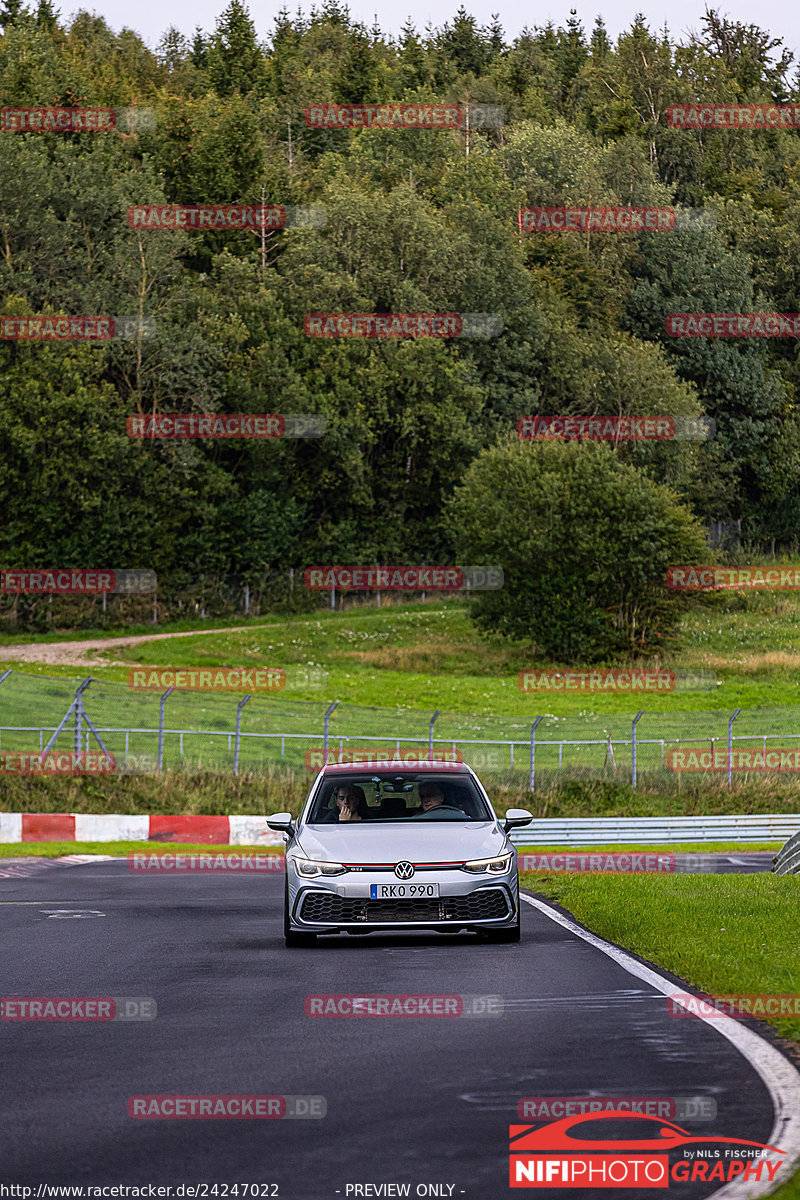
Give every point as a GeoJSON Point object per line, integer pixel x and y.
{"type": "Point", "coordinates": [488, 904]}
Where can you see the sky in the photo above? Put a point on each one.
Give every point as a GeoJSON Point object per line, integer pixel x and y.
{"type": "Point", "coordinates": [150, 18]}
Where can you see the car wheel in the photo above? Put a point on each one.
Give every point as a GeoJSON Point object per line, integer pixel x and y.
{"type": "Point", "coordinates": [294, 940]}
{"type": "Point", "coordinates": [505, 935]}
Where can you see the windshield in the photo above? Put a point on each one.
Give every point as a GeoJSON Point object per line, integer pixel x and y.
{"type": "Point", "coordinates": [367, 797]}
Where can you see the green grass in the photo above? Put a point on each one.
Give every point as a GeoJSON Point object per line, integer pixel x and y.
{"type": "Point", "coordinates": [430, 655]}
{"type": "Point", "coordinates": [276, 789]}
{"type": "Point", "coordinates": [48, 849]}
{"type": "Point", "coordinates": [659, 847]}
{"type": "Point", "coordinates": [390, 667]}
{"type": "Point", "coordinates": [120, 849]}
{"type": "Point", "coordinates": [724, 934]}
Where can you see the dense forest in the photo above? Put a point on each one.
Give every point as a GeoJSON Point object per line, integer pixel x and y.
{"type": "Point", "coordinates": [406, 220]}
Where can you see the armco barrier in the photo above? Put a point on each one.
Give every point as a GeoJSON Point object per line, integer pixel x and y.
{"type": "Point", "coordinates": [253, 831]}
{"type": "Point", "coordinates": [656, 831]}
{"type": "Point", "coordinates": [787, 861]}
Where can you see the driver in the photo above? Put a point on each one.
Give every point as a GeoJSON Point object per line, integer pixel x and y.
{"type": "Point", "coordinates": [431, 796]}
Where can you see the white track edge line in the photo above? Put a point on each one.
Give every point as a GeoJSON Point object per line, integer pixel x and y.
{"type": "Point", "coordinates": [780, 1078]}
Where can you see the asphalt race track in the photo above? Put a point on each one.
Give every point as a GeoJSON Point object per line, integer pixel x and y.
{"type": "Point", "coordinates": [409, 1100]}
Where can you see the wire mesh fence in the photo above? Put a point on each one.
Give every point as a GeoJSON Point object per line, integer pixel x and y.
{"type": "Point", "coordinates": [145, 730]}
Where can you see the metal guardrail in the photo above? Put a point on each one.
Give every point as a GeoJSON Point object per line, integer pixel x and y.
{"type": "Point", "coordinates": [787, 861]}
{"type": "Point", "coordinates": [603, 831]}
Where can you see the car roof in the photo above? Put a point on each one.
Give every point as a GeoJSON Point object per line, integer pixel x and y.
{"type": "Point", "coordinates": [396, 766]}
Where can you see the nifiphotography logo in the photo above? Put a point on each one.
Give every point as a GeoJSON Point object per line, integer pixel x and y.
{"type": "Point", "coordinates": [621, 1149]}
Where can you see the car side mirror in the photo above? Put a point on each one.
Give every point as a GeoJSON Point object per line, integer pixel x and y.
{"type": "Point", "coordinates": [281, 823]}
{"type": "Point", "coordinates": [515, 818]}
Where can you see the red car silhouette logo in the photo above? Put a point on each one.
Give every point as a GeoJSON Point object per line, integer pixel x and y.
{"type": "Point", "coordinates": [558, 1136]}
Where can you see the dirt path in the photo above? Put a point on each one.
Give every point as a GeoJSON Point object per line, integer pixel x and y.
{"type": "Point", "coordinates": [77, 654]}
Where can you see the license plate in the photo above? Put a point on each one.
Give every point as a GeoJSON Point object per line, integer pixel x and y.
{"type": "Point", "coordinates": [403, 891]}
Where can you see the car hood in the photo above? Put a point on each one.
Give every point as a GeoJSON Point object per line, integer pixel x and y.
{"type": "Point", "coordinates": [426, 841]}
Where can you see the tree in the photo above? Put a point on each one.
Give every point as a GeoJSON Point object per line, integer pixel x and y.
{"type": "Point", "coordinates": [411, 56]}
{"type": "Point", "coordinates": [11, 12]}
{"type": "Point", "coordinates": [46, 18]}
{"type": "Point", "coordinates": [600, 44]}
{"type": "Point", "coordinates": [173, 49]}
{"type": "Point", "coordinates": [235, 59]}
{"type": "Point", "coordinates": [572, 52]}
{"type": "Point", "coordinates": [584, 541]}
{"type": "Point", "coordinates": [747, 52]}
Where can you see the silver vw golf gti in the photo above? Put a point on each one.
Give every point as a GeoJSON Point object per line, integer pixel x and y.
{"type": "Point", "coordinates": [405, 848]}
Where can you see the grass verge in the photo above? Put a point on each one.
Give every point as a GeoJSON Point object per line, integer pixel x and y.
{"type": "Point", "coordinates": [54, 849]}
{"type": "Point", "coordinates": [188, 790]}
{"type": "Point", "coordinates": [119, 849]}
{"type": "Point", "coordinates": [724, 934]}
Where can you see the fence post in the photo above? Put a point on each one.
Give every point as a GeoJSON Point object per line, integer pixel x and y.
{"type": "Point", "coordinates": [161, 704]}
{"type": "Point", "coordinates": [430, 735]}
{"type": "Point", "coordinates": [730, 748]}
{"type": "Point", "coordinates": [239, 708]}
{"type": "Point", "coordinates": [533, 753]}
{"type": "Point", "coordinates": [79, 712]}
{"type": "Point", "coordinates": [636, 720]}
{"type": "Point", "coordinates": [325, 734]}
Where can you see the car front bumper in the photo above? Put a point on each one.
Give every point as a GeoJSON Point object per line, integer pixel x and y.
{"type": "Point", "coordinates": [343, 903]}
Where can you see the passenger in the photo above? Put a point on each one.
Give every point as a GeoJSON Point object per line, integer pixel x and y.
{"type": "Point", "coordinates": [351, 802]}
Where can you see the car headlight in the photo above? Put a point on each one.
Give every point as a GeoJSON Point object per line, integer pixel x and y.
{"type": "Point", "coordinates": [492, 866]}
{"type": "Point", "coordinates": [309, 867]}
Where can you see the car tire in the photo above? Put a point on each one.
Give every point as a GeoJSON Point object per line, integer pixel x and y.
{"type": "Point", "coordinates": [294, 940]}
{"type": "Point", "coordinates": [506, 935]}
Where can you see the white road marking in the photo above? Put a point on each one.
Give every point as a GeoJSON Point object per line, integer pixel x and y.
{"type": "Point", "coordinates": [65, 914]}
{"type": "Point", "coordinates": [780, 1078]}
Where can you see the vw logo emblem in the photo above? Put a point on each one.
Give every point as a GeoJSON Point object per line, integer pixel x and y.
{"type": "Point", "coordinates": [404, 870]}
